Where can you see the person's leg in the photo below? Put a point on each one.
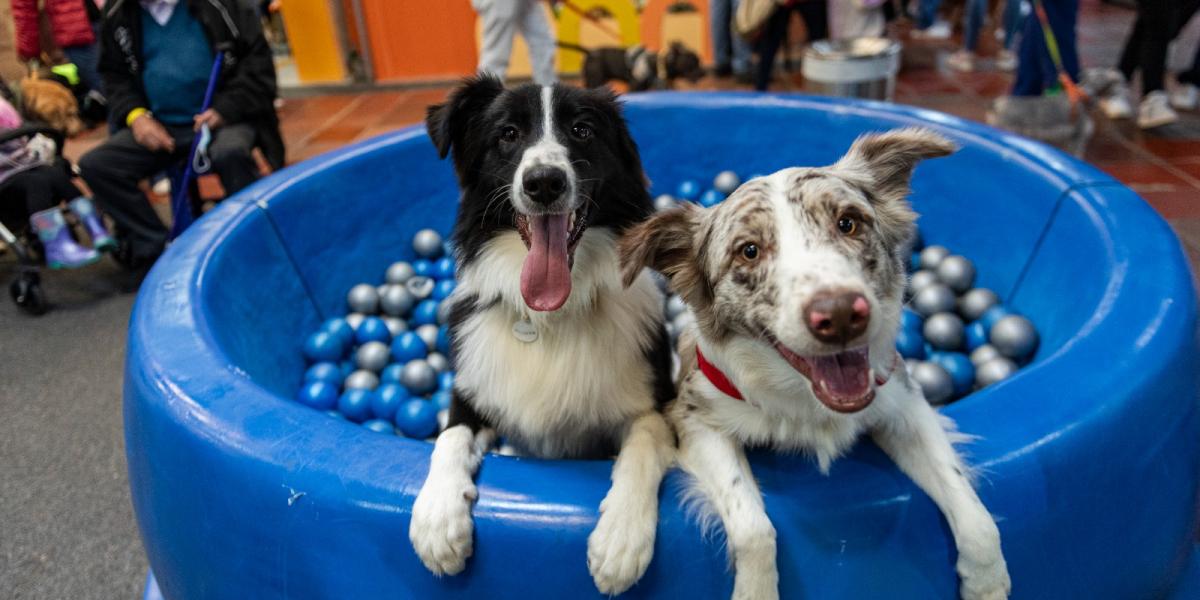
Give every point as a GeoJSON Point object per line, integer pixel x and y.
{"type": "Point", "coordinates": [927, 12]}
{"type": "Point", "coordinates": [1012, 22]}
{"type": "Point", "coordinates": [1063, 22]}
{"type": "Point", "coordinates": [85, 59]}
{"type": "Point", "coordinates": [816, 18]}
{"type": "Point", "coordinates": [1030, 57]}
{"type": "Point", "coordinates": [112, 170]}
{"type": "Point", "coordinates": [35, 188]}
{"type": "Point", "coordinates": [232, 161]}
{"type": "Point", "coordinates": [1131, 53]}
{"type": "Point", "coordinates": [720, 14]}
{"type": "Point", "coordinates": [1188, 10]}
{"type": "Point", "coordinates": [972, 23]}
{"type": "Point", "coordinates": [499, 25]}
{"type": "Point", "coordinates": [768, 44]}
{"type": "Point", "coordinates": [540, 40]}
{"type": "Point", "coordinates": [742, 52]}
{"type": "Point", "coordinates": [1156, 16]}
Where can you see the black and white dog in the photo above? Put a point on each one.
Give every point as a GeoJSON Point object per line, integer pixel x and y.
{"type": "Point", "coordinates": [551, 351]}
{"type": "Point", "coordinates": [796, 283]}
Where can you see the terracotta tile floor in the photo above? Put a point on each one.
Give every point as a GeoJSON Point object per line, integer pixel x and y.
{"type": "Point", "coordinates": [1162, 165]}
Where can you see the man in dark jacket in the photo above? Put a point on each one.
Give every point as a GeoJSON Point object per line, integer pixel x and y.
{"type": "Point", "coordinates": [155, 58]}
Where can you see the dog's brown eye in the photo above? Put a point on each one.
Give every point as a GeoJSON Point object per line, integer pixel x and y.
{"type": "Point", "coordinates": [509, 134]}
{"type": "Point", "coordinates": [582, 132]}
{"type": "Point", "coordinates": [847, 225]}
{"type": "Point", "coordinates": [750, 251]}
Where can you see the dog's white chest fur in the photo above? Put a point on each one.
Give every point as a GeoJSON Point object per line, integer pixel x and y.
{"type": "Point", "coordinates": [586, 372]}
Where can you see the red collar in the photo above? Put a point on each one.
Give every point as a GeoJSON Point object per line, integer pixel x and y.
{"type": "Point", "coordinates": [722, 382]}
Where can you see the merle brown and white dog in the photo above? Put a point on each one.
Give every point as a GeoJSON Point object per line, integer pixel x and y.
{"type": "Point", "coordinates": [551, 350]}
{"type": "Point", "coordinates": [796, 284]}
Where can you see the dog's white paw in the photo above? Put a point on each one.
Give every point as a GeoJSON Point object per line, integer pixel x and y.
{"type": "Point", "coordinates": [756, 579]}
{"type": "Point", "coordinates": [984, 580]}
{"type": "Point", "coordinates": [621, 546]}
{"type": "Point", "coordinates": [441, 525]}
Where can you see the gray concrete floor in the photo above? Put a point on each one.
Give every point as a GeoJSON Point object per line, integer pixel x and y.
{"type": "Point", "coordinates": [66, 523]}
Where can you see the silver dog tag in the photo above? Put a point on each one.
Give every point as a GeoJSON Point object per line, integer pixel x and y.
{"type": "Point", "coordinates": [525, 331]}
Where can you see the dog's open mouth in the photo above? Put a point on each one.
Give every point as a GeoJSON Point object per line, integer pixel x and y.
{"type": "Point", "coordinates": [842, 381]}
{"type": "Point", "coordinates": [551, 240]}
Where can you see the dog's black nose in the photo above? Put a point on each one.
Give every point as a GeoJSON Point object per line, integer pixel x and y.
{"type": "Point", "coordinates": [544, 185]}
{"type": "Point", "coordinates": [837, 316]}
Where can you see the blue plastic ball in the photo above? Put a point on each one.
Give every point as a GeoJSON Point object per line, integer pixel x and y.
{"type": "Point", "coordinates": [318, 394]}
{"type": "Point", "coordinates": [327, 372]}
{"type": "Point", "coordinates": [423, 267]}
{"type": "Point", "coordinates": [443, 268]}
{"type": "Point", "coordinates": [355, 404]}
{"type": "Point", "coordinates": [335, 414]}
{"type": "Point", "coordinates": [443, 340]}
{"type": "Point", "coordinates": [424, 314]}
{"type": "Point", "coordinates": [910, 320]}
{"type": "Point", "coordinates": [711, 198]}
{"type": "Point", "coordinates": [688, 190]}
{"type": "Point", "coordinates": [373, 329]}
{"type": "Point", "coordinates": [910, 344]}
{"type": "Point", "coordinates": [960, 368]}
{"type": "Point", "coordinates": [914, 262]}
{"type": "Point", "coordinates": [347, 366]}
{"type": "Point", "coordinates": [976, 335]}
{"type": "Point", "coordinates": [408, 346]}
{"type": "Point", "coordinates": [323, 346]}
{"type": "Point", "coordinates": [446, 381]}
{"type": "Point", "coordinates": [387, 399]}
{"type": "Point", "coordinates": [417, 418]}
{"type": "Point", "coordinates": [443, 289]}
{"type": "Point", "coordinates": [341, 329]}
{"type": "Point", "coordinates": [993, 314]}
{"type": "Point", "coordinates": [442, 399]}
{"type": "Point", "coordinates": [380, 426]}
{"type": "Point", "coordinates": [391, 373]}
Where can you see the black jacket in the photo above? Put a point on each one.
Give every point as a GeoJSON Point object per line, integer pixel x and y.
{"type": "Point", "coordinates": [246, 89]}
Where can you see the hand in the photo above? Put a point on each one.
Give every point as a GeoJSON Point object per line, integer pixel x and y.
{"type": "Point", "coordinates": [152, 135]}
{"type": "Point", "coordinates": [209, 117]}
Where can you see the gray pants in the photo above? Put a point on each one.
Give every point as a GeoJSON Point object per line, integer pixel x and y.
{"type": "Point", "coordinates": [504, 18]}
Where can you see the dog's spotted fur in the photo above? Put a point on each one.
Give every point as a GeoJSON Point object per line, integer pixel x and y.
{"type": "Point", "coordinates": [746, 309]}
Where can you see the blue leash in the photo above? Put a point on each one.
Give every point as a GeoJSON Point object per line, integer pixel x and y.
{"type": "Point", "coordinates": [181, 206]}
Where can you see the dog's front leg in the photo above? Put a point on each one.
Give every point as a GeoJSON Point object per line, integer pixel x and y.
{"type": "Point", "coordinates": [620, 548]}
{"type": "Point", "coordinates": [919, 444]}
{"type": "Point", "coordinates": [441, 526]}
{"type": "Point", "coordinates": [722, 473]}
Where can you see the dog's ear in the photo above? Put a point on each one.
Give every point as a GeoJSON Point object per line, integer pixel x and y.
{"type": "Point", "coordinates": [448, 122]}
{"type": "Point", "coordinates": [627, 151]}
{"type": "Point", "coordinates": [666, 242]}
{"type": "Point", "coordinates": [889, 158]}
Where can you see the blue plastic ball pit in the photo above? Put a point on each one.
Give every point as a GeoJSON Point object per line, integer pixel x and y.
{"type": "Point", "coordinates": [380, 426]}
{"type": "Point", "coordinates": [423, 267]}
{"type": "Point", "coordinates": [324, 346]}
{"type": "Point", "coordinates": [408, 346]}
{"type": "Point", "coordinates": [910, 344]}
{"type": "Point", "coordinates": [976, 335]}
{"type": "Point", "coordinates": [373, 329]}
{"type": "Point", "coordinates": [326, 372]}
{"type": "Point", "coordinates": [340, 328]}
{"type": "Point", "coordinates": [1090, 453]}
{"type": "Point", "coordinates": [417, 418]}
{"type": "Point", "coordinates": [425, 313]}
{"type": "Point", "coordinates": [442, 289]}
{"type": "Point", "coordinates": [321, 395]}
{"type": "Point", "coordinates": [443, 269]}
{"type": "Point", "coordinates": [355, 404]}
{"type": "Point", "coordinates": [711, 198]}
{"type": "Point", "coordinates": [688, 190]}
{"type": "Point", "coordinates": [388, 397]}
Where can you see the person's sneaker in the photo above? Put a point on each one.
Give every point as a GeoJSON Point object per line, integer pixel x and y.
{"type": "Point", "coordinates": [1115, 102]}
{"type": "Point", "coordinates": [1006, 60]}
{"type": "Point", "coordinates": [962, 60]}
{"type": "Point", "coordinates": [1185, 96]}
{"type": "Point", "coordinates": [1155, 111]}
{"type": "Point", "coordinates": [940, 30]}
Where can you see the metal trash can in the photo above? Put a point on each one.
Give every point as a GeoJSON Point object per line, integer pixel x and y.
{"type": "Point", "coordinates": [863, 67]}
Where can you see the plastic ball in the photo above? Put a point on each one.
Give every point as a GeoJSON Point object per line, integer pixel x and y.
{"type": "Point", "coordinates": [439, 362]}
{"type": "Point", "coordinates": [417, 418]}
{"type": "Point", "coordinates": [442, 399]}
{"type": "Point", "coordinates": [321, 395]}
{"type": "Point", "coordinates": [396, 326]}
{"type": "Point", "coordinates": [711, 198]}
{"type": "Point", "coordinates": [688, 190]}
{"type": "Point", "coordinates": [363, 298]}
{"type": "Point", "coordinates": [910, 344]}
{"type": "Point", "coordinates": [975, 302]}
{"type": "Point", "coordinates": [341, 329]}
{"type": "Point", "coordinates": [664, 202]}
{"type": "Point", "coordinates": [391, 373]}
{"type": "Point", "coordinates": [956, 272]}
{"type": "Point", "coordinates": [983, 354]}
{"type": "Point", "coordinates": [995, 370]}
{"type": "Point", "coordinates": [354, 320]}
{"type": "Point", "coordinates": [921, 280]}
{"type": "Point", "coordinates": [362, 380]}
{"type": "Point", "coordinates": [976, 335]}
{"type": "Point", "coordinates": [408, 346]}
{"type": "Point", "coordinates": [443, 340]}
{"type": "Point", "coordinates": [425, 313]}
{"type": "Point", "coordinates": [935, 382]}
{"type": "Point", "coordinates": [373, 329]}
{"type": "Point", "coordinates": [347, 366]}
{"type": "Point", "coordinates": [443, 289]}
{"type": "Point", "coordinates": [372, 356]}
{"type": "Point", "coordinates": [335, 414]}
{"type": "Point", "coordinates": [387, 399]}
{"type": "Point", "coordinates": [418, 377]}
{"type": "Point", "coordinates": [328, 372]}
{"type": "Point", "coordinates": [944, 331]}
{"type": "Point", "coordinates": [420, 286]}
{"type": "Point", "coordinates": [683, 322]}
{"type": "Point", "coordinates": [399, 272]}
{"type": "Point", "coordinates": [323, 346]}
{"type": "Point", "coordinates": [443, 314]}
{"type": "Point", "coordinates": [726, 181]}
{"type": "Point", "coordinates": [396, 300]}
{"type": "Point", "coordinates": [961, 371]}
{"type": "Point", "coordinates": [673, 333]}
{"type": "Point", "coordinates": [444, 268]}
{"type": "Point", "coordinates": [918, 241]}
{"type": "Point", "coordinates": [932, 256]}
{"type": "Point", "coordinates": [355, 404]}
{"type": "Point", "coordinates": [933, 299]}
{"type": "Point", "coordinates": [422, 268]}
{"type": "Point", "coordinates": [446, 381]}
{"type": "Point", "coordinates": [675, 307]}
{"type": "Point", "coordinates": [1014, 336]}
{"type": "Point", "coordinates": [992, 315]}
{"type": "Point", "coordinates": [910, 320]}
{"type": "Point", "coordinates": [380, 426]}
{"type": "Point", "coordinates": [427, 243]}
{"type": "Point", "coordinates": [428, 334]}
{"type": "Point", "coordinates": [914, 262]}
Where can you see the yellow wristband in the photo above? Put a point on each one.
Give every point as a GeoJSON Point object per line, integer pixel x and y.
{"type": "Point", "coordinates": [134, 114]}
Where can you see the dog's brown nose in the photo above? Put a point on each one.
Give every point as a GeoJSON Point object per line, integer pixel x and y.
{"type": "Point", "coordinates": [837, 316]}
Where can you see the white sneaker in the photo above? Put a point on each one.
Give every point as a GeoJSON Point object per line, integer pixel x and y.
{"type": "Point", "coordinates": [961, 60]}
{"type": "Point", "coordinates": [1185, 96]}
{"type": "Point", "coordinates": [1115, 102]}
{"type": "Point", "coordinates": [1006, 60]}
{"type": "Point", "coordinates": [162, 187]}
{"type": "Point", "coordinates": [1155, 111]}
{"type": "Point", "coordinates": [940, 30]}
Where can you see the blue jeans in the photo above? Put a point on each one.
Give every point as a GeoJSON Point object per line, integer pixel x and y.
{"type": "Point", "coordinates": [725, 39]}
{"type": "Point", "coordinates": [85, 59]}
{"type": "Point", "coordinates": [1036, 71]}
{"type": "Point", "coordinates": [973, 16]}
{"type": "Point", "coordinates": [1012, 21]}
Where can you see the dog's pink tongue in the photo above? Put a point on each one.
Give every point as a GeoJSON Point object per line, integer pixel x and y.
{"type": "Point", "coordinates": [843, 381]}
{"type": "Point", "coordinates": [546, 274]}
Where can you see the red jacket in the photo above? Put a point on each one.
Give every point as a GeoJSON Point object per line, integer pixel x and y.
{"type": "Point", "coordinates": [68, 20]}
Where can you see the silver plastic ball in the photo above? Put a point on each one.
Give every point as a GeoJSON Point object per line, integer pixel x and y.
{"type": "Point", "coordinates": [675, 307]}
{"type": "Point", "coordinates": [381, 289]}
{"type": "Point", "coordinates": [363, 298]}
{"type": "Point", "coordinates": [933, 299]}
{"type": "Point", "coordinates": [418, 377]}
{"type": "Point", "coordinates": [975, 302]}
{"type": "Point", "coordinates": [395, 326]}
{"type": "Point", "coordinates": [672, 333]}
{"type": "Point", "coordinates": [683, 321]}
{"type": "Point", "coordinates": [957, 272]}
{"type": "Point", "coordinates": [420, 287]}
{"type": "Point", "coordinates": [365, 380]}
{"type": "Point", "coordinates": [354, 320]}
{"type": "Point", "coordinates": [428, 334]}
{"type": "Point", "coordinates": [399, 272]}
{"type": "Point", "coordinates": [443, 312]}
{"type": "Point", "coordinates": [1014, 336]}
{"type": "Point", "coordinates": [665, 202]}
{"type": "Point", "coordinates": [726, 181]}
{"type": "Point", "coordinates": [944, 331]}
{"type": "Point", "coordinates": [372, 356]}
{"type": "Point", "coordinates": [992, 371]}
{"type": "Point", "coordinates": [440, 363]}
{"type": "Point", "coordinates": [396, 300]}
{"type": "Point", "coordinates": [443, 418]}
{"type": "Point", "coordinates": [932, 256]}
{"type": "Point", "coordinates": [921, 280]}
{"type": "Point", "coordinates": [427, 243]}
{"type": "Point", "coordinates": [935, 382]}
{"type": "Point", "coordinates": [983, 354]}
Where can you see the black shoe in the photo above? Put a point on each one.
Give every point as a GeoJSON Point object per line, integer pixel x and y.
{"type": "Point", "coordinates": [744, 78]}
{"type": "Point", "coordinates": [722, 71]}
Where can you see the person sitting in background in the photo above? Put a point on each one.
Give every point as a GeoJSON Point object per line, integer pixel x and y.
{"type": "Point", "coordinates": [156, 57]}
{"type": "Point", "coordinates": [502, 19]}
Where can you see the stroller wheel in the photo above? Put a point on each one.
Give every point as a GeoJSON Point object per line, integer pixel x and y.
{"type": "Point", "coordinates": [28, 295]}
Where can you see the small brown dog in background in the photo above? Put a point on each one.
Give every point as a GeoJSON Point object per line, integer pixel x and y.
{"type": "Point", "coordinates": [52, 103]}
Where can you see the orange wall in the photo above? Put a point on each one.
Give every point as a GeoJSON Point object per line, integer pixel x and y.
{"type": "Point", "coordinates": [413, 39]}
